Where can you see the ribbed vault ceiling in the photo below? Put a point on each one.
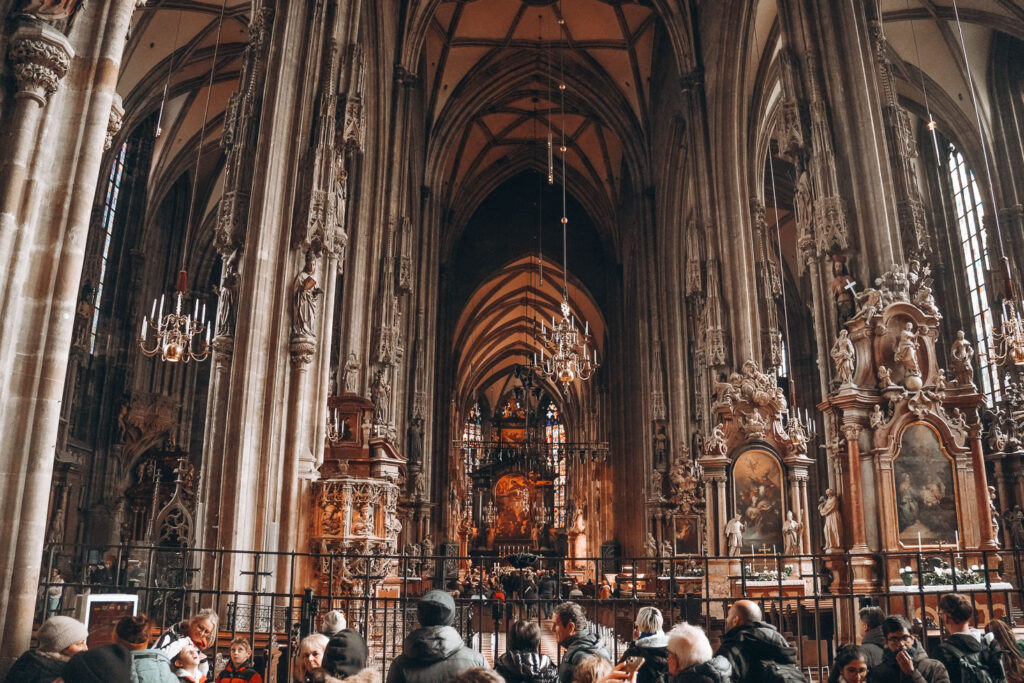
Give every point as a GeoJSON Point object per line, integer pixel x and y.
{"type": "Point", "coordinates": [497, 328]}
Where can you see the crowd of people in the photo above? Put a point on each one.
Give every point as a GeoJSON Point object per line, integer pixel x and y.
{"type": "Point", "coordinates": [750, 651]}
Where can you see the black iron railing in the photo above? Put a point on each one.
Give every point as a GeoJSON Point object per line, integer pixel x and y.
{"type": "Point", "coordinates": [812, 599]}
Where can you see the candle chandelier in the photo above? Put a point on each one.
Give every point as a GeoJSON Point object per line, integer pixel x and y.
{"type": "Point", "coordinates": [178, 335]}
{"type": "Point", "coordinates": [570, 356]}
{"type": "Point", "coordinates": [1008, 337]}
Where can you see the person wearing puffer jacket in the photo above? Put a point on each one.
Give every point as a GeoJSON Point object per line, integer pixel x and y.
{"type": "Point", "coordinates": [523, 662]}
{"type": "Point", "coordinates": [148, 666]}
{"type": "Point", "coordinates": [433, 653]}
{"type": "Point", "coordinates": [650, 643]}
{"type": "Point", "coordinates": [690, 660]}
{"type": "Point", "coordinates": [345, 660]}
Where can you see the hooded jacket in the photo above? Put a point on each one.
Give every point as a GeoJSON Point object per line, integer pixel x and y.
{"type": "Point", "coordinates": [524, 666]}
{"type": "Point", "coordinates": [654, 650]}
{"type": "Point", "coordinates": [959, 645]}
{"type": "Point", "coordinates": [926, 670]}
{"type": "Point", "coordinates": [433, 654]}
{"type": "Point", "coordinates": [151, 666]}
{"type": "Point", "coordinates": [747, 645]}
{"type": "Point", "coordinates": [583, 644]}
{"type": "Point", "coordinates": [37, 667]}
{"type": "Point", "coordinates": [245, 673]}
{"type": "Point", "coordinates": [873, 645]}
{"type": "Point", "coordinates": [715, 670]}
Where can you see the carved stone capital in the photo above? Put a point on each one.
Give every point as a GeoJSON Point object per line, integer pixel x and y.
{"type": "Point", "coordinates": [114, 122]}
{"type": "Point", "coordinates": [223, 350]}
{"type": "Point", "coordinates": [852, 431]}
{"type": "Point", "coordinates": [40, 56]}
{"type": "Point", "coordinates": [302, 350]}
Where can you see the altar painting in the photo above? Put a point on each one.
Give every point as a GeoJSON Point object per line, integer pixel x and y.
{"type": "Point", "coordinates": [925, 493]}
{"type": "Point", "coordinates": [512, 496]}
{"type": "Point", "coordinates": [757, 491]}
{"type": "Point", "coordinates": [686, 535]}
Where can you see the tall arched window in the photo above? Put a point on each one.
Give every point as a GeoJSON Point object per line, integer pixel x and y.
{"type": "Point", "coordinates": [973, 241]}
{"type": "Point", "coordinates": [472, 439]}
{"type": "Point", "coordinates": [109, 211]}
{"type": "Point", "coordinates": [554, 435]}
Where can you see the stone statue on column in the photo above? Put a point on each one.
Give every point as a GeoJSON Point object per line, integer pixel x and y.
{"type": "Point", "coordinates": [828, 508]}
{"type": "Point", "coordinates": [906, 352]}
{"type": "Point", "coordinates": [228, 293]}
{"type": "Point", "coordinates": [734, 529]}
{"type": "Point", "coordinates": [351, 374]}
{"type": "Point", "coordinates": [844, 358]}
{"type": "Point", "coordinates": [791, 529]}
{"type": "Point", "coordinates": [660, 448]}
{"type": "Point", "coordinates": [305, 294]}
{"type": "Point", "coordinates": [962, 354]}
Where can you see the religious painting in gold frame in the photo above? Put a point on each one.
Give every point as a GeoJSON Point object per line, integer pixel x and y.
{"type": "Point", "coordinates": [686, 534]}
{"type": "Point", "coordinates": [757, 486]}
{"type": "Point", "coordinates": [925, 488]}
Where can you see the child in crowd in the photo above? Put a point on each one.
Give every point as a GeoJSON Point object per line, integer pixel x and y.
{"type": "Point", "coordinates": [240, 668]}
{"type": "Point", "coordinates": [185, 658]}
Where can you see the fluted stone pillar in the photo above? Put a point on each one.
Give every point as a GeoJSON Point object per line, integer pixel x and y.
{"type": "Point", "coordinates": [54, 199]}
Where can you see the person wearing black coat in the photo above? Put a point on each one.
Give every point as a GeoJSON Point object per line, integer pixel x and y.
{"type": "Point", "coordinates": [873, 641]}
{"type": "Point", "coordinates": [59, 638]}
{"type": "Point", "coordinates": [749, 643]}
{"type": "Point", "coordinates": [523, 662]}
{"type": "Point", "coordinates": [573, 632]}
{"type": "Point", "coordinates": [650, 643]}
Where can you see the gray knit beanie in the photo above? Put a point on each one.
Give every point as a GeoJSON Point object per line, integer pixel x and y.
{"type": "Point", "coordinates": [58, 633]}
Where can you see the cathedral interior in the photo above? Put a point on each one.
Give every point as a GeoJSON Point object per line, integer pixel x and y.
{"type": "Point", "coordinates": [296, 291]}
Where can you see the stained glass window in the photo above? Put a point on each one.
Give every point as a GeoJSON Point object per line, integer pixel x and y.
{"type": "Point", "coordinates": [969, 213]}
{"type": "Point", "coordinates": [472, 438]}
{"type": "Point", "coordinates": [109, 211]}
{"type": "Point", "coordinates": [554, 434]}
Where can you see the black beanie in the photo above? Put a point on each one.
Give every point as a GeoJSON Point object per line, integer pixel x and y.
{"type": "Point", "coordinates": [436, 608]}
{"type": "Point", "coordinates": [104, 664]}
{"type": "Point", "coordinates": [345, 654]}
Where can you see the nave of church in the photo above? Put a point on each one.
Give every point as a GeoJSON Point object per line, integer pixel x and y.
{"type": "Point", "coordinates": [323, 304]}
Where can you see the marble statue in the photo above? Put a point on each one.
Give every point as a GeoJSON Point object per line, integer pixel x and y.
{"type": "Point", "coordinates": [906, 350]}
{"type": "Point", "coordinates": [305, 294]}
{"type": "Point", "coordinates": [844, 358]}
{"type": "Point", "coordinates": [962, 354]}
{"type": "Point", "coordinates": [994, 513]}
{"type": "Point", "coordinates": [351, 374]}
{"type": "Point", "coordinates": [884, 377]}
{"type": "Point", "coordinates": [715, 444]}
{"type": "Point", "coordinates": [791, 529]}
{"type": "Point", "coordinates": [651, 546]}
{"type": "Point", "coordinates": [828, 508]}
{"type": "Point", "coordinates": [734, 529]}
{"type": "Point", "coordinates": [877, 418]}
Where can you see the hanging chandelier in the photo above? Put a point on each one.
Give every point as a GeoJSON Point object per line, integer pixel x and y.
{"type": "Point", "coordinates": [570, 357]}
{"type": "Point", "coordinates": [176, 330]}
{"type": "Point", "coordinates": [1007, 337]}
{"type": "Point", "coordinates": [178, 335]}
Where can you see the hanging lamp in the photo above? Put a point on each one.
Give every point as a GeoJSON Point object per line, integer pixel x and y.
{"type": "Point", "coordinates": [178, 335]}
{"type": "Point", "coordinates": [570, 356]}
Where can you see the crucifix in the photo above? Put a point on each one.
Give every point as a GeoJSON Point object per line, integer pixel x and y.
{"type": "Point", "coordinates": [851, 285]}
{"type": "Point", "coordinates": [256, 574]}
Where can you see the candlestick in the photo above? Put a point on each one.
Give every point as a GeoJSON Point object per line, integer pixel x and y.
{"type": "Point", "coordinates": [918, 541]}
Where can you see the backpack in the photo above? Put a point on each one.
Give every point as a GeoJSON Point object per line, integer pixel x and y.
{"type": "Point", "coordinates": [777, 672]}
{"type": "Point", "coordinates": [978, 667]}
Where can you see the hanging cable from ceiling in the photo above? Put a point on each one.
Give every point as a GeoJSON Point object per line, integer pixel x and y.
{"type": "Point", "coordinates": [167, 81]}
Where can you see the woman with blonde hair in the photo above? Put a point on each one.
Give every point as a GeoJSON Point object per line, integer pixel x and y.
{"type": "Point", "coordinates": [650, 643]}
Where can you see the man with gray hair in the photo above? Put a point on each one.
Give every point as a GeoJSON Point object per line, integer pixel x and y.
{"type": "Point", "coordinates": [690, 660]}
{"type": "Point", "coordinates": [649, 642]}
{"type": "Point", "coordinates": [756, 651]}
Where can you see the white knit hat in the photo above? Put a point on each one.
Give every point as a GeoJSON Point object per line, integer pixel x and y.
{"type": "Point", "coordinates": [332, 623]}
{"type": "Point", "coordinates": [174, 648]}
{"type": "Point", "coordinates": [58, 633]}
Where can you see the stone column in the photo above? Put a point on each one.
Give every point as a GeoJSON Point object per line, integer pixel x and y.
{"type": "Point", "coordinates": [853, 499]}
{"type": "Point", "coordinates": [41, 291]}
{"type": "Point", "coordinates": [208, 512]}
{"type": "Point", "coordinates": [988, 539]}
{"type": "Point", "coordinates": [723, 515]}
{"type": "Point", "coordinates": [40, 57]}
{"type": "Point", "coordinates": [302, 350]}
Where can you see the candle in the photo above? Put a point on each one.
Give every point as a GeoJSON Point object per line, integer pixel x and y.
{"type": "Point", "coordinates": [957, 539]}
{"type": "Point", "coordinates": [160, 315]}
{"type": "Point", "coordinates": [918, 541]}
{"type": "Point", "coordinates": [586, 327]}
{"type": "Point", "coordinates": [152, 312]}
{"type": "Point", "coordinates": [143, 332]}
{"type": "Point", "coordinates": [195, 311]}
{"type": "Point", "coordinates": [203, 316]}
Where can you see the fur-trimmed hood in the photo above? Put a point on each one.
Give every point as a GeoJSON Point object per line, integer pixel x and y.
{"type": "Point", "coordinates": [367, 675]}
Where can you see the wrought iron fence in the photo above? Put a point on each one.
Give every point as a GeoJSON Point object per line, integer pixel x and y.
{"type": "Point", "coordinates": [276, 598]}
